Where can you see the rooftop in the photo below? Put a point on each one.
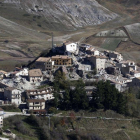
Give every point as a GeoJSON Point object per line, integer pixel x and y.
{"type": "Point", "coordinates": [35, 73]}
{"type": "Point", "coordinates": [60, 57]}
{"type": "Point", "coordinates": [135, 72]}
{"type": "Point", "coordinates": [67, 42]}
{"type": "Point", "coordinates": [43, 59]}
{"type": "Point", "coordinates": [127, 61]}
{"type": "Point", "coordinates": [10, 88]}
{"type": "Point", "coordinates": [101, 57]}
{"type": "Point", "coordinates": [35, 100]}
{"type": "Point", "coordinates": [4, 72]}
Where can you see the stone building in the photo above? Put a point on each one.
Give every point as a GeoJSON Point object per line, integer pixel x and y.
{"type": "Point", "coordinates": [13, 95]}
{"type": "Point", "coordinates": [113, 70]}
{"type": "Point", "coordinates": [44, 63]}
{"type": "Point", "coordinates": [85, 67]}
{"type": "Point", "coordinates": [92, 51]}
{"type": "Point", "coordinates": [115, 56]}
{"type": "Point", "coordinates": [135, 82]}
{"type": "Point", "coordinates": [98, 62]}
{"type": "Point", "coordinates": [35, 75]}
{"type": "Point", "coordinates": [61, 60]}
{"type": "Point", "coordinates": [126, 67]}
{"type": "Point", "coordinates": [36, 104]}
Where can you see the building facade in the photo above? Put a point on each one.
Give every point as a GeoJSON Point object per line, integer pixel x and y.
{"type": "Point", "coordinates": [98, 62]}
{"type": "Point", "coordinates": [13, 95]}
{"type": "Point", "coordinates": [61, 60]}
{"type": "Point", "coordinates": [126, 67]}
{"type": "Point", "coordinates": [36, 104]}
{"type": "Point", "coordinates": [44, 63]}
{"type": "Point", "coordinates": [70, 47]}
{"type": "Point", "coordinates": [35, 75]}
{"type": "Point", "coordinates": [92, 51]}
{"type": "Point", "coordinates": [45, 94]}
{"type": "Point", "coordinates": [113, 70]}
{"type": "Point", "coordinates": [115, 56]}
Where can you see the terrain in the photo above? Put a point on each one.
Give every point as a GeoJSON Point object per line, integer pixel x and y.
{"type": "Point", "coordinates": [128, 44]}
{"type": "Point", "coordinates": [26, 27]}
{"type": "Point", "coordinates": [100, 127]}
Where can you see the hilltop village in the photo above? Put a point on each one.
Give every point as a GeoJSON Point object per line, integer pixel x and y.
{"type": "Point", "coordinates": [26, 87]}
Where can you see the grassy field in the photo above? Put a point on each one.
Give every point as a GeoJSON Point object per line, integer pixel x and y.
{"type": "Point", "coordinates": [28, 126]}
{"type": "Point", "coordinates": [106, 129]}
{"type": "Point", "coordinates": [134, 32]}
{"type": "Point", "coordinates": [111, 43]}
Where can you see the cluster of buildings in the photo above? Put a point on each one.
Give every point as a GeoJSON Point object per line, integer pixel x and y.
{"type": "Point", "coordinates": [21, 87]}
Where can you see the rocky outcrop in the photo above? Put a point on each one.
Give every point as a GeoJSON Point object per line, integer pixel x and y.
{"type": "Point", "coordinates": [70, 13]}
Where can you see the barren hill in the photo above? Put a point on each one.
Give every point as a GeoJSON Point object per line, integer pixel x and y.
{"type": "Point", "coordinates": [70, 14]}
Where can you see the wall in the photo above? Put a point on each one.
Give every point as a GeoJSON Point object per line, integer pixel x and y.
{"type": "Point", "coordinates": [60, 61]}
{"type": "Point", "coordinates": [1, 121]}
{"type": "Point", "coordinates": [71, 47]}
{"type": "Point", "coordinates": [33, 106]}
{"type": "Point", "coordinates": [35, 79]}
{"type": "Point", "coordinates": [17, 97]}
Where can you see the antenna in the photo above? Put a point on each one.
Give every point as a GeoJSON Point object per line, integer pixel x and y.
{"type": "Point", "coordinates": [52, 39]}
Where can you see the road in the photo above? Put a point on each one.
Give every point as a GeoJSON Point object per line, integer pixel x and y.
{"type": "Point", "coordinates": [8, 114]}
{"type": "Point", "coordinates": [85, 117]}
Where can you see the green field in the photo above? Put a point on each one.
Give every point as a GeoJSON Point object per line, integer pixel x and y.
{"type": "Point", "coordinates": [111, 43]}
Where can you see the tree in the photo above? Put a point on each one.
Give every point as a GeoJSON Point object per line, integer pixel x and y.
{"type": "Point", "coordinates": [121, 104]}
{"type": "Point", "coordinates": [66, 104]}
{"type": "Point", "coordinates": [78, 97]}
{"type": "Point", "coordinates": [56, 99]}
{"type": "Point", "coordinates": [108, 97]}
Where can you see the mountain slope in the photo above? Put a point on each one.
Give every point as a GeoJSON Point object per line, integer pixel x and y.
{"type": "Point", "coordinates": [69, 13]}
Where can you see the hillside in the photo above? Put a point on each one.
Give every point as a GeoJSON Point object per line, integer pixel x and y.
{"type": "Point", "coordinates": [100, 128]}
{"type": "Point", "coordinates": [26, 26]}
{"type": "Point", "coordinates": [66, 13]}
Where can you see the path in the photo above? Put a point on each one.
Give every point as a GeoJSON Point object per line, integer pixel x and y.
{"type": "Point", "coordinates": [64, 37]}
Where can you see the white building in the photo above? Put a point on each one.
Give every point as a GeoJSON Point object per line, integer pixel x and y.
{"type": "Point", "coordinates": [70, 47]}
{"type": "Point", "coordinates": [36, 104]}
{"type": "Point", "coordinates": [13, 95]}
{"type": "Point", "coordinates": [35, 75]}
{"type": "Point", "coordinates": [45, 94]}
{"type": "Point", "coordinates": [23, 72]}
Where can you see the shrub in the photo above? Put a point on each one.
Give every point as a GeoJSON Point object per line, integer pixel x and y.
{"type": "Point", "coordinates": [52, 110]}
{"type": "Point", "coordinates": [26, 15]}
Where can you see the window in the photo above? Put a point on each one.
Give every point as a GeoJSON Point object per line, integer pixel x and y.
{"type": "Point", "coordinates": [36, 102]}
